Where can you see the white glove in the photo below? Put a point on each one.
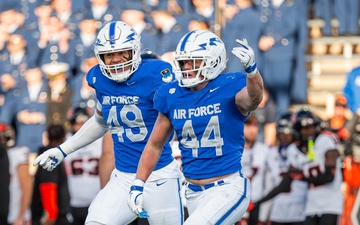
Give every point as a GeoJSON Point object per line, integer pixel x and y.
{"type": "Point", "coordinates": [136, 199]}
{"type": "Point", "coordinates": [247, 57]}
{"type": "Point", "coordinates": [50, 158]}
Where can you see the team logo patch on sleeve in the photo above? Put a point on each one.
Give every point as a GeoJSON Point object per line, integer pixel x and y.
{"type": "Point", "coordinates": [166, 75]}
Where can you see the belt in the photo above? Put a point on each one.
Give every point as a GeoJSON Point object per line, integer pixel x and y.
{"type": "Point", "coordinates": [194, 187]}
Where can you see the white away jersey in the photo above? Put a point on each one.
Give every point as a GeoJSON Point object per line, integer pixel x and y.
{"type": "Point", "coordinates": [82, 169]}
{"type": "Point", "coordinates": [254, 167]}
{"type": "Point", "coordinates": [290, 206]}
{"type": "Point", "coordinates": [325, 198]}
{"type": "Point", "coordinates": [17, 156]}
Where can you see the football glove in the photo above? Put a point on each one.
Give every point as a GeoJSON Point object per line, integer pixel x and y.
{"type": "Point", "coordinates": [136, 199]}
{"type": "Point", "coordinates": [247, 57]}
{"type": "Point", "coordinates": [50, 158]}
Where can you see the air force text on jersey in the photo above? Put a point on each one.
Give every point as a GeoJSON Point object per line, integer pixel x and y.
{"type": "Point", "coordinates": [197, 112]}
{"type": "Point", "coordinates": [124, 100]}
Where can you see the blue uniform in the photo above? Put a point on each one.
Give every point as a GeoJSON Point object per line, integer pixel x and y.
{"type": "Point", "coordinates": [352, 90]}
{"type": "Point", "coordinates": [127, 107]}
{"type": "Point", "coordinates": [201, 120]}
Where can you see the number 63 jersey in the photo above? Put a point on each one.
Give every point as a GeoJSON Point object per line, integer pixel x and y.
{"type": "Point", "coordinates": [127, 108]}
{"type": "Point", "coordinates": [208, 124]}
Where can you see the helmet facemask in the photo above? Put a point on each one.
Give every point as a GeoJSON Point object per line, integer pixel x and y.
{"type": "Point", "coordinates": [120, 72]}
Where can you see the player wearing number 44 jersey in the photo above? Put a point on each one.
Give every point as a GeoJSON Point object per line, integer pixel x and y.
{"type": "Point", "coordinates": [125, 86]}
{"type": "Point", "coordinates": [207, 111]}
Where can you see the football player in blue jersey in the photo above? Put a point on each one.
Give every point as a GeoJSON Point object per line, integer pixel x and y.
{"type": "Point", "coordinates": [125, 86]}
{"type": "Point", "coordinates": [207, 109]}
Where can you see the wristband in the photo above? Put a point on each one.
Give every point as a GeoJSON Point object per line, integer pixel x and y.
{"type": "Point", "coordinates": [138, 182]}
{"type": "Point", "coordinates": [251, 70]}
{"type": "Point", "coordinates": [63, 153]}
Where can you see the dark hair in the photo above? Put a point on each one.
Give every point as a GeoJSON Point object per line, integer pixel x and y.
{"type": "Point", "coordinates": [56, 132]}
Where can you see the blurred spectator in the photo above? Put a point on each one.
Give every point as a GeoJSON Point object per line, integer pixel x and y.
{"type": "Point", "coordinates": [254, 168]}
{"type": "Point", "coordinates": [168, 31]}
{"type": "Point", "coordinates": [14, 62]}
{"type": "Point", "coordinates": [135, 16]}
{"type": "Point", "coordinates": [54, 44]}
{"type": "Point", "coordinates": [102, 11]}
{"type": "Point", "coordinates": [205, 8]}
{"type": "Point", "coordinates": [83, 45]}
{"type": "Point", "coordinates": [59, 93]}
{"type": "Point", "coordinates": [28, 109]}
{"type": "Point", "coordinates": [51, 198]}
{"type": "Point", "coordinates": [324, 10]}
{"type": "Point", "coordinates": [282, 47]}
{"type": "Point", "coordinates": [4, 174]}
{"type": "Point", "coordinates": [42, 13]}
{"type": "Point", "coordinates": [11, 17]}
{"type": "Point", "coordinates": [347, 14]}
{"type": "Point", "coordinates": [63, 11]}
{"type": "Point", "coordinates": [352, 90]}
{"type": "Point", "coordinates": [265, 115]}
{"type": "Point", "coordinates": [83, 94]}
{"type": "Point", "coordinates": [198, 23]}
{"type": "Point", "coordinates": [20, 185]}
{"type": "Point", "coordinates": [338, 122]}
{"type": "Point", "coordinates": [239, 28]}
{"type": "Point", "coordinates": [82, 168]}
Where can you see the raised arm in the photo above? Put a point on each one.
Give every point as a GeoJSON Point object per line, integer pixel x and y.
{"type": "Point", "coordinates": [249, 97]}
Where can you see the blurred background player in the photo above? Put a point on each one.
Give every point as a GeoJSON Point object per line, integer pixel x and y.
{"type": "Point", "coordinates": [82, 168]}
{"type": "Point", "coordinates": [51, 198]}
{"type": "Point", "coordinates": [286, 208]}
{"type": "Point", "coordinates": [254, 167]}
{"type": "Point", "coordinates": [20, 185]}
{"type": "Point", "coordinates": [314, 158]}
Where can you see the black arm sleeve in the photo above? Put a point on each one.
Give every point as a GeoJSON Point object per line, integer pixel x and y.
{"type": "Point", "coordinates": [284, 186]}
{"type": "Point", "coordinates": [321, 178]}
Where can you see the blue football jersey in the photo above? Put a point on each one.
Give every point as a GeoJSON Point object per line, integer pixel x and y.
{"type": "Point", "coordinates": [208, 124]}
{"type": "Point", "coordinates": [127, 107]}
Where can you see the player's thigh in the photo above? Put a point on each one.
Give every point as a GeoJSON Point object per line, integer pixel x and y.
{"type": "Point", "coordinates": [224, 204]}
{"type": "Point", "coordinates": [109, 206]}
{"type": "Point", "coordinates": [162, 200]}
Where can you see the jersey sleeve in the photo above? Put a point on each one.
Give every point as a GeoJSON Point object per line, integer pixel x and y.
{"type": "Point", "coordinates": [324, 143]}
{"type": "Point", "coordinates": [160, 103]}
{"type": "Point", "coordinates": [161, 72]}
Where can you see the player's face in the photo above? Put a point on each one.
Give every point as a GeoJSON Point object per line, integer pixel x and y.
{"type": "Point", "coordinates": [307, 132]}
{"type": "Point", "coordinates": [114, 58]}
{"type": "Point", "coordinates": [285, 138]}
{"type": "Point", "coordinates": [191, 67]}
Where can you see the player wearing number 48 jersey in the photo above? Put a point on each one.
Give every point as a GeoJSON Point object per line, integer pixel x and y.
{"type": "Point", "coordinates": [125, 86]}
{"type": "Point", "coordinates": [207, 111]}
